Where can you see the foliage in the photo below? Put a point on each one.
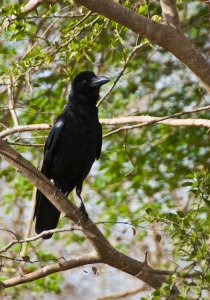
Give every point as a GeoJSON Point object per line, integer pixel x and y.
{"type": "Point", "coordinates": [142, 177]}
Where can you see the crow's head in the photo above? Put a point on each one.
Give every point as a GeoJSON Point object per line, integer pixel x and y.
{"type": "Point", "coordinates": [86, 86]}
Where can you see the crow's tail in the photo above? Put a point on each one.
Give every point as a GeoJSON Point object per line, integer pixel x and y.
{"type": "Point", "coordinates": [46, 214]}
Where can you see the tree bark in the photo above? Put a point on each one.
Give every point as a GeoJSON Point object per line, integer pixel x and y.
{"type": "Point", "coordinates": [170, 13]}
{"type": "Point", "coordinates": [102, 252]}
{"type": "Point", "coordinates": [161, 34]}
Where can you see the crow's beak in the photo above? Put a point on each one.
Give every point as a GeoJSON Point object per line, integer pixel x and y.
{"type": "Point", "coordinates": [99, 81]}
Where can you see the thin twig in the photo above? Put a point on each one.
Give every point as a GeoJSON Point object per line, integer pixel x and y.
{"type": "Point", "coordinates": [38, 236]}
{"type": "Point", "coordinates": [122, 295]}
{"type": "Point", "coordinates": [10, 231]}
{"type": "Point", "coordinates": [11, 104]}
{"type": "Point", "coordinates": [130, 56]}
{"type": "Point", "coordinates": [29, 222]}
{"type": "Point", "coordinates": [59, 49]}
{"type": "Point", "coordinates": [28, 260]}
{"type": "Point", "coordinates": [24, 144]}
{"type": "Point", "coordinates": [64, 16]}
{"type": "Point", "coordinates": [128, 154]}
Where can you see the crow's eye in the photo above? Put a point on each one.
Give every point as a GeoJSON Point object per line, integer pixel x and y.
{"type": "Point", "coordinates": [84, 81]}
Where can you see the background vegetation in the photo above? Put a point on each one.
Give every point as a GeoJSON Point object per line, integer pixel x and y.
{"type": "Point", "coordinates": [150, 189]}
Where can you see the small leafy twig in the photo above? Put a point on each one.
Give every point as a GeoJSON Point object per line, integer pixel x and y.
{"type": "Point", "coordinates": [130, 56]}
{"type": "Point", "coordinates": [23, 144]}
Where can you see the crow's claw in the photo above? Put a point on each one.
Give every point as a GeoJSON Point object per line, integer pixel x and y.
{"type": "Point", "coordinates": [83, 213]}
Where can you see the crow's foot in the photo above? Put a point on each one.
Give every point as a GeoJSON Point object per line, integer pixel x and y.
{"type": "Point", "coordinates": [83, 213]}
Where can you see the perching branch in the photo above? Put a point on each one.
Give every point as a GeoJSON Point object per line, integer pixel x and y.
{"type": "Point", "coordinates": [161, 34]}
{"type": "Point", "coordinates": [102, 252]}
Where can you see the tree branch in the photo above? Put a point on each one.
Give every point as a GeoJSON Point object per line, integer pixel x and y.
{"type": "Point", "coordinates": [89, 258]}
{"type": "Point", "coordinates": [124, 294]}
{"type": "Point", "coordinates": [11, 104]}
{"type": "Point", "coordinates": [103, 251]}
{"type": "Point", "coordinates": [36, 237]}
{"type": "Point", "coordinates": [162, 119]}
{"type": "Point", "coordinates": [207, 2]}
{"type": "Point", "coordinates": [146, 120]}
{"type": "Point", "coordinates": [170, 13]}
{"type": "Point", "coordinates": [24, 128]}
{"type": "Point", "coordinates": [29, 223]}
{"type": "Point", "coordinates": [32, 5]}
{"type": "Point", "coordinates": [161, 34]}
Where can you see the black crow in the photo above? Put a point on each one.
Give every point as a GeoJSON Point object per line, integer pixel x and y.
{"type": "Point", "coordinates": [72, 146]}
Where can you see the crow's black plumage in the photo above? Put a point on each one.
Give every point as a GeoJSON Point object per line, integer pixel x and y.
{"type": "Point", "coordinates": [73, 144]}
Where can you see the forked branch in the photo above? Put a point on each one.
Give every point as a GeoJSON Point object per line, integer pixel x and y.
{"type": "Point", "coordinates": [103, 252]}
{"type": "Point", "coordinates": [170, 13]}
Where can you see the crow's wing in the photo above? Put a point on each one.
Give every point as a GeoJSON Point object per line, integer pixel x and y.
{"type": "Point", "coordinates": [46, 213]}
{"type": "Point", "coordinates": [99, 142]}
{"type": "Point", "coordinates": [50, 145]}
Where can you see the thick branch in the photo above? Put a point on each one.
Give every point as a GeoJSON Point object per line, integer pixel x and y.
{"type": "Point", "coordinates": [104, 252]}
{"type": "Point", "coordinates": [52, 193]}
{"type": "Point", "coordinates": [89, 258]}
{"type": "Point", "coordinates": [161, 34]}
{"type": "Point", "coordinates": [170, 13]}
